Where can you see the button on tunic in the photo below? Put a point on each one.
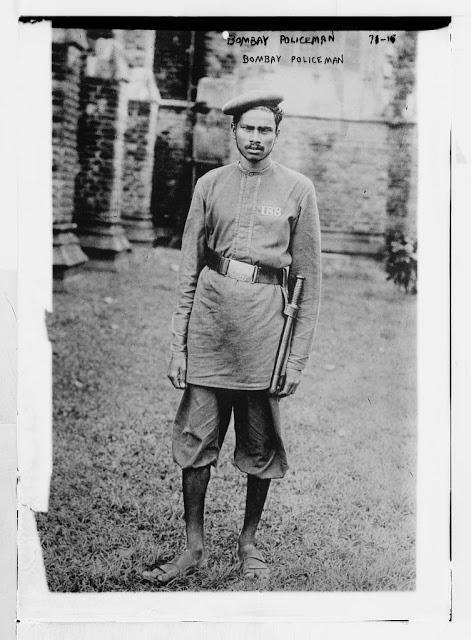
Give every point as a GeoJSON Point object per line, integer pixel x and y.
{"type": "Point", "coordinates": [231, 329]}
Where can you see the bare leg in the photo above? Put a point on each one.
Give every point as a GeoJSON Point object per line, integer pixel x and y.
{"type": "Point", "coordinates": [257, 490]}
{"type": "Point", "coordinates": [195, 483]}
{"type": "Point", "coordinates": [252, 561]}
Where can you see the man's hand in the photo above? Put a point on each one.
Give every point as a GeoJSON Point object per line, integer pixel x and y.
{"type": "Point", "coordinates": [291, 383]}
{"type": "Point", "coordinates": [176, 372]}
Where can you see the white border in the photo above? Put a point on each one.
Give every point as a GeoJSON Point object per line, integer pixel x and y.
{"type": "Point", "coordinates": [460, 627]}
{"type": "Point", "coordinates": [434, 124]}
{"type": "Point", "coordinates": [431, 600]}
{"type": "Point", "coordinates": [34, 266]}
{"type": "Point", "coordinates": [461, 320]}
{"type": "Point", "coordinates": [249, 631]}
{"type": "Point", "coordinates": [8, 315]}
{"type": "Point", "coordinates": [243, 8]}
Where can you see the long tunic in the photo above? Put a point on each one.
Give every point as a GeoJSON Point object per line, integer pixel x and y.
{"type": "Point", "coordinates": [231, 329]}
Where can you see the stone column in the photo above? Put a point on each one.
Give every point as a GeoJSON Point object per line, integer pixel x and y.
{"type": "Point", "coordinates": [212, 144]}
{"type": "Point", "coordinates": [67, 62]}
{"type": "Point", "coordinates": [101, 151]}
{"type": "Point", "coordinates": [140, 134]}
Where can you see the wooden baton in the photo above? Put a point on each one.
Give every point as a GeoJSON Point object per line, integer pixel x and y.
{"type": "Point", "coordinates": [291, 311]}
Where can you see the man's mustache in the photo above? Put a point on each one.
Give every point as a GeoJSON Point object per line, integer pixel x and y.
{"type": "Point", "coordinates": [255, 147]}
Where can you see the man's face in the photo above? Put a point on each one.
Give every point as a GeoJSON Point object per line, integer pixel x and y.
{"type": "Point", "coordinates": [256, 134]}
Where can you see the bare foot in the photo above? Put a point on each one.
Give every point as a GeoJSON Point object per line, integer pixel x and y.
{"type": "Point", "coordinates": [184, 565]}
{"type": "Point", "coordinates": [252, 562]}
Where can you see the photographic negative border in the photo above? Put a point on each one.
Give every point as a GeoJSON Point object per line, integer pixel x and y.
{"type": "Point", "coordinates": [438, 62]}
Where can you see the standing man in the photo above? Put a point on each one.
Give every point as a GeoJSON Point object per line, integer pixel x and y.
{"type": "Point", "coordinates": [250, 224]}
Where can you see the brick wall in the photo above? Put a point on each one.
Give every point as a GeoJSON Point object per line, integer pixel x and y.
{"type": "Point", "coordinates": [171, 193]}
{"type": "Point", "coordinates": [136, 159]}
{"type": "Point", "coordinates": [66, 68]}
{"type": "Point", "coordinates": [68, 56]}
{"type": "Point", "coordinates": [142, 97]}
{"type": "Point", "coordinates": [411, 206]}
{"type": "Point", "coordinates": [348, 163]}
{"type": "Point", "coordinates": [360, 88]}
{"type": "Point", "coordinates": [96, 140]}
{"type": "Point", "coordinates": [364, 169]}
{"type": "Point", "coordinates": [401, 203]}
{"type": "Point", "coordinates": [171, 63]}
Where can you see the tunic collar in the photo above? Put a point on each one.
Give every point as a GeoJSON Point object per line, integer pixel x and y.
{"type": "Point", "coordinates": [255, 172]}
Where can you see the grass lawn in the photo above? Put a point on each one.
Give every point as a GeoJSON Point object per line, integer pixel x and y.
{"type": "Point", "coordinates": [344, 516]}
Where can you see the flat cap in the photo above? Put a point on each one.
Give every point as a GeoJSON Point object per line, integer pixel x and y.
{"type": "Point", "coordinates": [250, 100]}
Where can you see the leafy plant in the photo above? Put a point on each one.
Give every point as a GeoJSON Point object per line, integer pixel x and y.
{"type": "Point", "coordinates": [401, 261]}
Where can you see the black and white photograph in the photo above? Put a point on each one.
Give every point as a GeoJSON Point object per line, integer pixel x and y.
{"type": "Point", "coordinates": [229, 368]}
{"type": "Point", "coordinates": [196, 176]}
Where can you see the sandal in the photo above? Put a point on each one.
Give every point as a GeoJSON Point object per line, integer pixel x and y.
{"type": "Point", "coordinates": [252, 563]}
{"type": "Point", "coordinates": [168, 572]}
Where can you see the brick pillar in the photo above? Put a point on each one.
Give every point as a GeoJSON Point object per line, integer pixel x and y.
{"type": "Point", "coordinates": [103, 107]}
{"type": "Point", "coordinates": [140, 134]}
{"type": "Point", "coordinates": [67, 62]}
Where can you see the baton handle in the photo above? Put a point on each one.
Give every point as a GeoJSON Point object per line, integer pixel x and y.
{"type": "Point", "coordinates": [298, 287]}
{"type": "Point", "coordinates": [291, 312]}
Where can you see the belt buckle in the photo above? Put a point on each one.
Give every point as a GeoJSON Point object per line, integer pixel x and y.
{"type": "Point", "coordinates": [241, 271]}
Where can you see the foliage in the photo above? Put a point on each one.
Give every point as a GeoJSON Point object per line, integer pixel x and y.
{"type": "Point", "coordinates": [401, 261]}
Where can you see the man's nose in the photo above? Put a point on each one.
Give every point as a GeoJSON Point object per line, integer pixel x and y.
{"type": "Point", "coordinates": [255, 137]}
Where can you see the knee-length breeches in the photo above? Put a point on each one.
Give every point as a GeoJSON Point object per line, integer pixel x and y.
{"type": "Point", "coordinates": [203, 418]}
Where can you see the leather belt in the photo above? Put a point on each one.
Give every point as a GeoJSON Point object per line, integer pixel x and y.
{"type": "Point", "coordinates": [244, 271]}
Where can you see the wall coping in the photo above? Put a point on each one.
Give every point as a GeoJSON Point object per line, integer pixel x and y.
{"type": "Point", "coordinates": [185, 104]}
